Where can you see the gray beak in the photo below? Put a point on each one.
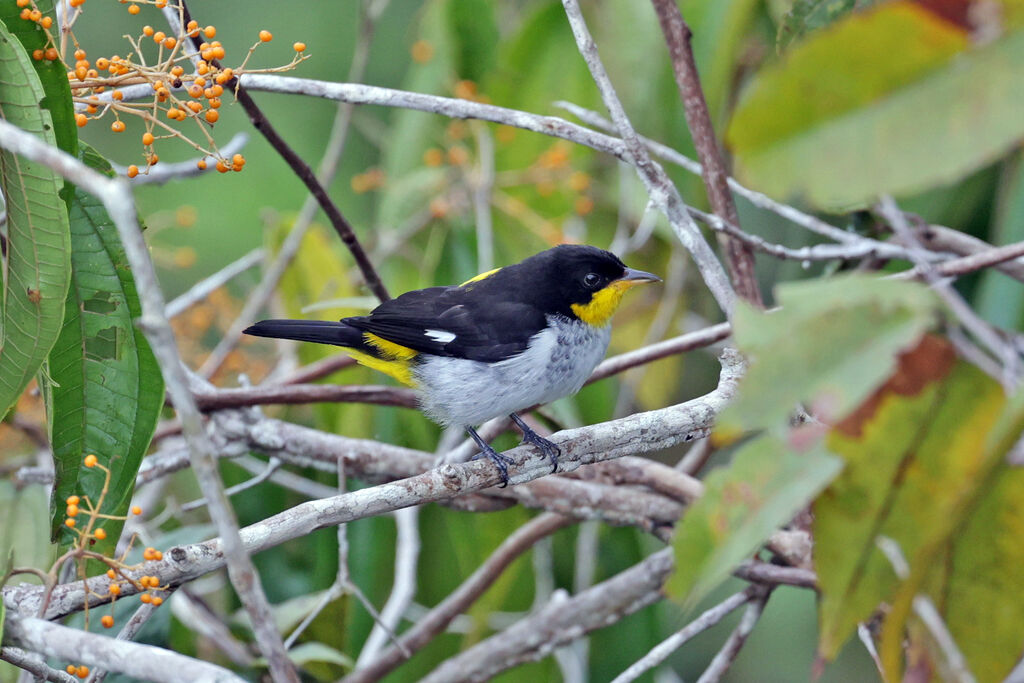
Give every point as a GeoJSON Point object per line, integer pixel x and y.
{"type": "Point", "coordinates": [639, 276]}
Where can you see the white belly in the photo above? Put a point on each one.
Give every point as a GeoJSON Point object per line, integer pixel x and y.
{"type": "Point", "coordinates": [558, 360]}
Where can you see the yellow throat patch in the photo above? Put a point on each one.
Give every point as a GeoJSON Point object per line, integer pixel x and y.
{"type": "Point", "coordinates": [395, 360]}
{"type": "Point", "coordinates": [603, 303]}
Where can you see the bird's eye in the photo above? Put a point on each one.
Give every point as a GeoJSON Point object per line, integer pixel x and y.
{"type": "Point", "coordinates": [592, 280]}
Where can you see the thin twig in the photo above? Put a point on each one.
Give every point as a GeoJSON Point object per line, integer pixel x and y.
{"type": "Point", "coordinates": [34, 664]}
{"type": "Point", "coordinates": [207, 286]}
{"type": "Point", "coordinates": [435, 622]}
{"type": "Point", "coordinates": [660, 188]}
{"type": "Point", "coordinates": [662, 650]}
{"type": "Point", "coordinates": [727, 655]}
{"type": "Point", "coordinates": [695, 108]}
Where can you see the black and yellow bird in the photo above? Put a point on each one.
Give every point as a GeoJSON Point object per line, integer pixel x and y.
{"type": "Point", "coordinates": [506, 340]}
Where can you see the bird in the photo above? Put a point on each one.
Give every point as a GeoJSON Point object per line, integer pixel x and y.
{"type": "Point", "coordinates": [506, 340]}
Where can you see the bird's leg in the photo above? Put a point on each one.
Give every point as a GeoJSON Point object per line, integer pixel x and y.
{"type": "Point", "coordinates": [500, 461]}
{"type": "Point", "coordinates": [546, 447]}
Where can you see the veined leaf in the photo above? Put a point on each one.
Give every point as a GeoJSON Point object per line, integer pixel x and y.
{"type": "Point", "coordinates": [107, 390]}
{"type": "Point", "coordinates": [925, 468]}
{"type": "Point", "coordinates": [832, 342]}
{"type": "Point", "coordinates": [766, 484]}
{"type": "Point", "coordinates": [38, 243]}
{"type": "Point", "coordinates": [840, 120]}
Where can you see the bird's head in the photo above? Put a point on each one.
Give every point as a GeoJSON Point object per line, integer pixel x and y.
{"type": "Point", "coordinates": [583, 282]}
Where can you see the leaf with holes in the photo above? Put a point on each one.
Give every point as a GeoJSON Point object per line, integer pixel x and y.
{"type": "Point", "coordinates": [106, 392]}
{"type": "Point", "coordinates": [38, 242]}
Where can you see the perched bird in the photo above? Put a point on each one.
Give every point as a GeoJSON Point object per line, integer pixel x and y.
{"type": "Point", "coordinates": [506, 340]}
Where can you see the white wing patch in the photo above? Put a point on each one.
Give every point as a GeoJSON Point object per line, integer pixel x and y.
{"type": "Point", "coordinates": [442, 336]}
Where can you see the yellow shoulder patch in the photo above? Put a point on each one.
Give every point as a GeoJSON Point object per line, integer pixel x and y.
{"type": "Point", "coordinates": [481, 276]}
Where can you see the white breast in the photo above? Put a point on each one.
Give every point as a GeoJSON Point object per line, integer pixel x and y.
{"type": "Point", "coordinates": [558, 360]}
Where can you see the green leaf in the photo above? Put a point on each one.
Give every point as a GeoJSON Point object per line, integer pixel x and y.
{"type": "Point", "coordinates": [831, 343]}
{"type": "Point", "coordinates": [38, 243]}
{"type": "Point", "coordinates": [25, 533]}
{"type": "Point", "coordinates": [809, 15]}
{"type": "Point", "coordinates": [767, 483]}
{"type": "Point", "coordinates": [474, 27]}
{"type": "Point", "coordinates": [319, 652]}
{"type": "Point", "coordinates": [106, 392]}
{"type": "Point", "coordinates": [837, 122]}
{"type": "Point", "coordinates": [914, 453]}
{"type": "Point", "coordinates": [1000, 298]}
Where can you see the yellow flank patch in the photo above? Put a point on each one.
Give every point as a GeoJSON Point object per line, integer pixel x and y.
{"type": "Point", "coordinates": [389, 349]}
{"type": "Point", "coordinates": [399, 369]}
{"type": "Point", "coordinates": [480, 277]}
{"type": "Point", "coordinates": [603, 303]}
{"type": "Point", "coordinates": [395, 359]}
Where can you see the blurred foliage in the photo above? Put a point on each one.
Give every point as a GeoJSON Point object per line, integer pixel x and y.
{"type": "Point", "coordinates": [825, 102]}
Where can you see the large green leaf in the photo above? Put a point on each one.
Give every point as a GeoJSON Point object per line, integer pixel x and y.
{"type": "Point", "coordinates": [809, 15]}
{"type": "Point", "coordinates": [767, 483]}
{"type": "Point", "coordinates": [38, 243]}
{"type": "Point", "coordinates": [831, 343]}
{"type": "Point", "coordinates": [106, 391]}
{"type": "Point", "coordinates": [918, 455]}
{"type": "Point", "coordinates": [840, 121]}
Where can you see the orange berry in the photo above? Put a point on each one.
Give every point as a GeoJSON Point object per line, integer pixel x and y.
{"type": "Point", "coordinates": [201, 164]}
{"type": "Point", "coordinates": [46, 22]}
{"type": "Point", "coordinates": [217, 90]}
{"type": "Point", "coordinates": [51, 53]}
{"type": "Point", "coordinates": [117, 126]}
{"type": "Point", "coordinates": [153, 158]}
{"type": "Point", "coordinates": [194, 106]}
{"type": "Point", "coordinates": [238, 159]}
{"type": "Point", "coordinates": [100, 534]}
{"type": "Point", "coordinates": [81, 671]}
{"type": "Point", "coordinates": [133, 171]}
{"type": "Point", "coordinates": [160, 4]}
{"type": "Point", "coordinates": [202, 67]}
{"type": "Point", "coordinates": [200, 81]}
{"type": "Point", "coordinates": [157, 601]}
{"type": "Point", "coordinates": [147, 30]}
{"type": "Point", "coordinates": [81, 72]}
{"type": "Point", "coordinates": [69, 523]}
{"type": "Point", "coordinates": [26, 14]}
{"type": "Point", "coordinates": [136, 510]}
{"type": "Point", "coordinates": [195, 90]}
{"type": "Point", "coordinates": [73, 500]}
{"type": "Point", "coordinates": [72, 510]}
{"type": "Point", "coordinates": [422, 51]}
{"type": "Point", "coordinates": [117, 95]}
{"type": "Point", "coordinates": [37, 55]}
{"type": "Point", "coordinates": [170, 42]}
{"type": "Point", "coordinates": [433, 157]}
{"type": "Point", "coordinates": [192, 25]}
{"type": "Point", "coordinates": [158, 555]}
{"type": "Point", "coordinates": [107, 621]}
{"type": "Point", "coordinates": [22, 3]}
{"type": "Point", "coordinates": [90, 460]}
{"type": "Point", "coordinates": [159, 36]}
{"type": "Point", "coordinates": [172, 113]}
{"type": "Point", "coordinates": [210, 31]}
{"type": "Point", "coordinates": [70, 668]}
{"type": "Point", "coordinates": [111, 574]}
{"type": "Point", "coordinates": [214, 103]}
{"type": "Point", "coordinates": [114, 589]}
{"type": "Point", "coordinates": [299, 47]}
{"type": "Point", "coordinates": [81, 120]}
{"type": "Point", "coordinates": [177, 70]}
{"type": "Point", "coordinates": [133, 9]}
{"type": "Point", "coordinates": [266, 36]}
{"type": "Point", "coordinates": [103, 63]}
{"type": "Point", "coordinates": [222, 167]}
{"type": "Point", "coordinates": [212, 116]}
{"type": "Point", "coordinates": [146, 598]}
{"type": "Point", "coordinates": [147, 139]}
{"type": "Point", "coordinates": [80, 54]}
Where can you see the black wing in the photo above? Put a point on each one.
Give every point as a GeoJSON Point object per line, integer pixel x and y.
{"type": "Point", "coordinates": [456, 322]}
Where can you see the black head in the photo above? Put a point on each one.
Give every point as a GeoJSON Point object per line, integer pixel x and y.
{"type": "Point", "coordinates": [576, 280]}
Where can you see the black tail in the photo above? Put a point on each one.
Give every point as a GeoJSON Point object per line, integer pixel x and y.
{"type": "Point", "coordinates": [319, 331]}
